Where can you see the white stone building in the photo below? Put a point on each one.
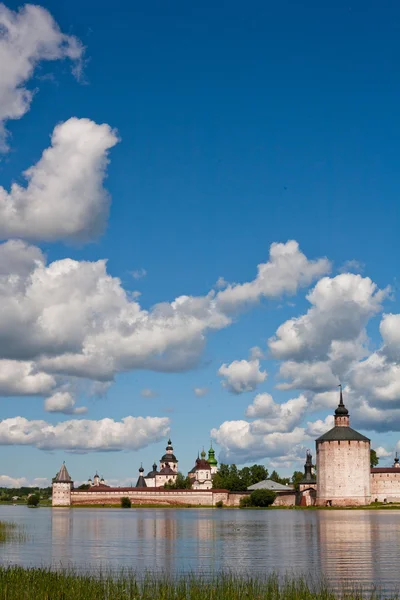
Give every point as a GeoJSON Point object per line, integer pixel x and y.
{"type": "Point", "coordinates": [201, 475]}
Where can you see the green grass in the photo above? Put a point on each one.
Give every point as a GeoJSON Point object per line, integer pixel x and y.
{"type": "Point", "coordinates": [17, 583]}
{"type": "Point", "coordinates": [11, 532]}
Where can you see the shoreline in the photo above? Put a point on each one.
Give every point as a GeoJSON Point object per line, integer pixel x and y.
{"type": "Point", "coordinates": [382, 506]}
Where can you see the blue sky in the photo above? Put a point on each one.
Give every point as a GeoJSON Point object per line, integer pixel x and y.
{"type": "Point", "coordinates": [227, 128]}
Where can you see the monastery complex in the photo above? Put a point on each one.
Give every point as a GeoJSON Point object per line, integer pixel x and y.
{"type": "Point", "coordinates": [343, 477]}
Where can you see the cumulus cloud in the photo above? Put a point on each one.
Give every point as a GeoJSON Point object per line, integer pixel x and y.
{"type": "Point", "coordinates": [240, 444]}
{"type": "Point", "coordinates": [20, 378]}
{"type": "Point", "coordinates": [148, 393]}
{"type": "Point", "coordinates": [200, 391]}
{"type": "Point", "coordinates": [27, 37]}
{"type": "Point", "coordinates": [351, 266]}
{"type": "Point", "coordinates": [378, 379]}
{"type": "Point", "coordinates": [381, 452]}
{"type": "Point", "coordinates": [256, 353]}
{"type": "Point", "coordinates": [341, 308]}
{"type": "Point", "coordinates": [74, 319]}
{"type": "Point", "coordinates": [315, 376]}
{"type": "Point", "coordinates": [83, 435]}
{"type": "Point", "coordinates": [64, 198]}
{"type": "Point", "coordinates": [286, 271]}
{"type": "Point", "coordinates": [241, 375]}
{"type": "Point", "coordinates": [390, 331]}
{"type": "Point", "coordinates": [273, 433]}
{"type": "Point", "coordinates": [272, 416]}
{"type": "Point", "coordinates": [17, 482]}
{"type": "Point", "coordinates": [319, 427]}
{"type": "Point", "coordinates": [63, 402]}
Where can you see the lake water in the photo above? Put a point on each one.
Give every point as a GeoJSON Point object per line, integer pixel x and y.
{"type": "Point", "coordinates": [355, 546]}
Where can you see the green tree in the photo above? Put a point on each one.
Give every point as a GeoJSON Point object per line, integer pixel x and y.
{"type": "Point", "coordinates": [126, 502]}
{"type": "Point", "coordinates": [262, 498]}
{"type": "Point", "coordinates": [84, 486]}
{"type": "Point", "coordinates": [296, 478]}
{"type": "Point", "coordinates": [33, 500]}
{"type": "Point", "coordinates": [373, 459]}
{"type": "Point", "coordinates": [278, 479]}
{"type": "Point", "coordinates": [181, 483]}
{"type": "Point", "coordinates": [229, 477]}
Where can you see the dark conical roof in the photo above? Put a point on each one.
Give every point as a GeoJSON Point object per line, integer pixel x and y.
{"type": "Point", "coordinates": [341, 410]}
{"type": "Point", "coordinates": [141, 483]}
{"type": "Point", "coordinates": [63, 475]}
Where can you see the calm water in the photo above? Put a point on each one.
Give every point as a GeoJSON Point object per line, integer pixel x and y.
{"type": "Point", "coordinates": [358, 546]}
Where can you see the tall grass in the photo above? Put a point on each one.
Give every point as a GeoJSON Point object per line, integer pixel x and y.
{"type": "Point", "coordinates": [11, 532]}
{"type": "Point", "coordinates": [17, 583]}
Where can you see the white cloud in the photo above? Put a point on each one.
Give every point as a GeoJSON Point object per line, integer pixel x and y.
{"type": "Point", "coordinates": [83, 435]}
{"type": "Point", "coordinates": [64, 197]}
{"type": "Point", "coordinates": [17, 482]}
{"type": "Point", "coordinates": [239, 444]}
{"type": "Point", "coordinates": [256, 353]}
{"type": "Point", "coordinates": [273, 434]}
{"type": "Point", "coordinates": [242, 375]}
{"type": "Point", "coordinates": [273, 416]}
{"type": "Point", "coordinates": [319, 427]}
{"type": "Point", "coordinates": [287, 270]}
{"type": "Point", "coordinates": [148, 393]}
{"type": "Point", "coordinates": [378, 379]}
{"type": "Point", "coordinates": [315, 376]}
{"type": "Point", "coordinates": [350, 266]}
{"type": "Point", "coordinates": [390, 332]}
{"type": "Point", "coordinates": [20, 378]}
{"type": "Point", "coordinates": [27, 37]}
{"type": "Point", "coordinates": [341, 307]}
{"type": "Point", "coordinates": [72, 318]}
{"type": "Point", "coordinates": [139, 273]}
{"type": "Point", "coordinates": [381, 452]}
{"type": "Point", "coordinates": [63, 402]}
{"type": "Point", "coordinates": [200, 391]}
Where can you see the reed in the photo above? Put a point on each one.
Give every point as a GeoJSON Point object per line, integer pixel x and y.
{"type": "Point", "coordinates": [17, 583]}
{"type": "Point", "coordinates": [11, 532]}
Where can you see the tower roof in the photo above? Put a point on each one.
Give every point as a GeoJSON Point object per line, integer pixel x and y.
{"type": "Point", "coordinates": [342, 434]}
{"type": "Point", "coordinates": [63, 475]}
{"type": "Point", "coordinates": [169, 458]}
{"type": "Point", "coordinates": [141, 483]}
{"type": "Point", "coordinates": [341, 410]}
{"type": "Point", "coordinates": [211, 457]}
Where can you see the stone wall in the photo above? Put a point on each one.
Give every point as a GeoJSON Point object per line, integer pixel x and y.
{"type": "Point", "coordinates": [385, 487]}
{"type": "Point", "coordinates": [343, 470]}
{"type": "Point", "coordinates": [285, 499]}
{"type": "Point", "coordinates": [167, 497]}
{"type": "Point", "coordinates": [61, 494]}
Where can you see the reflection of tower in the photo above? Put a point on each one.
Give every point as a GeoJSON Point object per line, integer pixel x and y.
{"type": "Point", "coordinates": [61, 535]}
{"type": "Point", "coordinates": [346, 541]}
{"type": "Point", "coordinates": [343, 463]}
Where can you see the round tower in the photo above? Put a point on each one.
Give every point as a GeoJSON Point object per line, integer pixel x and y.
{"type": "Point", "coordinates": [62, 486]}
{"type": "Point", "coordinates": [343, 463]}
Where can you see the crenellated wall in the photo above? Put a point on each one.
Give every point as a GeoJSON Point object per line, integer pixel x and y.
{"type": "Point", "coordinates": [385, 485]}
{"type": "Point", "coordinates": [156, 496]}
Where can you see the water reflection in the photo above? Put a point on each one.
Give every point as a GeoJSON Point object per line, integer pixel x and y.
{"type": "Point", "coordinates": [357, 546]}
